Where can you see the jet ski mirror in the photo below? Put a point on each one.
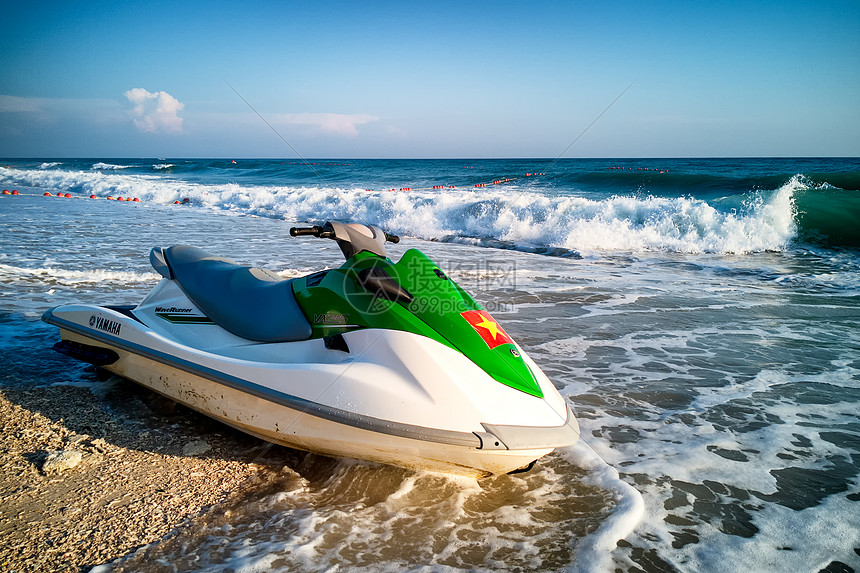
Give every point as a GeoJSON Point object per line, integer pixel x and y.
{"type": "Point", "coordinates": [352, 238]}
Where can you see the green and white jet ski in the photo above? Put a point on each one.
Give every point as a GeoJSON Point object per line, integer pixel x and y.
{"type": "Point", "coordinates": [376, 360]}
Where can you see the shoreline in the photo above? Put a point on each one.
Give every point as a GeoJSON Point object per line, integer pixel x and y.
{"type": "Point", "coordinates": [137, 480]}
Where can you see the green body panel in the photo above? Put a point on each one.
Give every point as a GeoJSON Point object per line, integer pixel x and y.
{"type": "Point", "coordinates": [334, 302]}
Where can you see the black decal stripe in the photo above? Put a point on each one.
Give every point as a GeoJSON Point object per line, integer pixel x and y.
{"type": "Point", "coordinates": [184, 318]}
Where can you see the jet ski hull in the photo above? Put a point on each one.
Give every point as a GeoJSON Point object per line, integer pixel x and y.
{"type": "Point", "coordinates": [308, 396]}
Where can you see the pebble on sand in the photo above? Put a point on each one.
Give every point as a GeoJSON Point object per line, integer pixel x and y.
{"type": "Point", "coordinates": [63, 460]}
{"type": "Point", "coordinates": [195, 448]}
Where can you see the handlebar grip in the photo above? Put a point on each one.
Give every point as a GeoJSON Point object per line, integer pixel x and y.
{"type": "Point", "coordinates": [392, 238]}
{"type": "Point", "coordinates": [303, 231]}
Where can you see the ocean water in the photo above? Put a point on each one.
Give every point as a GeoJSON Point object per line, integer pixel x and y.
{"type": "Point", "coordinates": [701, 316]}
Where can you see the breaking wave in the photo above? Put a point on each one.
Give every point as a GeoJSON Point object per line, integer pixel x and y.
{"type": "Point", "coordinates": [828, 215]}
{"type": "Point", "coordinates": [52, 276]}
{"type": "Point", "coordinates": [108, 166]}
{"type": "Point", "coordinates": [517, 217]}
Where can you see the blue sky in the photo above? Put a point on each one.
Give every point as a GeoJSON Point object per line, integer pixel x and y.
{"type": "Point", "coordinates": [439, 79]}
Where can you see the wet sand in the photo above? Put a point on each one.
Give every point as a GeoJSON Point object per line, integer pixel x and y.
{"type": "Point", "coordinates": [140, 478]}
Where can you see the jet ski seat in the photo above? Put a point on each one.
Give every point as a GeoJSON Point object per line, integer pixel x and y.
{"type": "Point", "coordinates": [250, 302]}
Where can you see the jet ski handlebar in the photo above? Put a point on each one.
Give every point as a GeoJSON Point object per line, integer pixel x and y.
{"type": "Point", "coordinates": [326, 232]}
{"type": "Point", "coordinates": [315, 231]}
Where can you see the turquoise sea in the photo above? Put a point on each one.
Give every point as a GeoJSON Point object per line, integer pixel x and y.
{"type": "Point", "coordinates": [701, 316]}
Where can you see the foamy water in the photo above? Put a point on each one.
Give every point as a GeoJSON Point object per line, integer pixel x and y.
{"type": "Point", "coordinates": [50, 276]}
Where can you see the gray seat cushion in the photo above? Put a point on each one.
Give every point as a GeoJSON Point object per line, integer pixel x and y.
{"type": "Point", "coordinates": [249, 302]}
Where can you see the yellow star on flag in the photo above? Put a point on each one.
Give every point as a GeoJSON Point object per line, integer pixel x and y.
{"type": "Point", "coordinates": [493, 327]}
{"type": "Point", "coordinates": [487, 328]}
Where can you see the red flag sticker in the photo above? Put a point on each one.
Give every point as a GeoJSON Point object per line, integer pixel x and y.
{"type": "Point", "coordinates": [485, 325]}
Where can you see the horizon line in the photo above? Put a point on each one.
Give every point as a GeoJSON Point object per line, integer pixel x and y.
{"type": "Point", "coordinates": [307, 159]}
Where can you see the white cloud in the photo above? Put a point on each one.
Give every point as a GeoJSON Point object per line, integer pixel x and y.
{"type": "Point", "coordinates": [155, 112]}
{"type": "Point", "coordinates": [12, 104]}
{"type": "Point", "coordinates": [337, 123]}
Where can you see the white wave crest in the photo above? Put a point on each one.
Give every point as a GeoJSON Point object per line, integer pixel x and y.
{"type": "Point", "coordinates": [55, 276]}
{"type": "Point", "coordinates": [107, 166]}
{"type": "Point", "coordinates": [764, 221]}
{"type": "Point", "coordinates": [86, 183]}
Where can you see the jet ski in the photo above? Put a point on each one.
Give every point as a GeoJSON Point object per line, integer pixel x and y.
{"type": "Point", "coordinates": [375, 360]}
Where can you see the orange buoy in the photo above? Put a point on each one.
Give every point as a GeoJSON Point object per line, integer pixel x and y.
{"type": "Point", "coordinates": [120, 199]}
{"type": "Point", "coordinates": [110, 197]}
{"type": "Point", "coordinates": [136, 200]}
{"type": "Point", "coordinates": [67, 196]}
{"type": "Point", "coordinates": [46, 194]}
{"type": "Point", "coordinates": [6, 192]}
{"type": "Point", "coordinates": [93, 197]}
{"type": "Point", "coordinates": [175, 202]}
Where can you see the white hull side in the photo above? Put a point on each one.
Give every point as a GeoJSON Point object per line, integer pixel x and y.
{"type": "Point", "coordinates": [290, 427]}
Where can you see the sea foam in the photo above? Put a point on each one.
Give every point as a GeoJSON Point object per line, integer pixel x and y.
{"type": "Point", "coordinates": [10, 274]}
{"type": "Point", "coordinates": [593, 553]}
{"type": "Point", "coordinates": [521, 218]}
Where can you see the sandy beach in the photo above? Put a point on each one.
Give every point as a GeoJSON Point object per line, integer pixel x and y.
{"type": "Point", "coordinates": [137, 480]}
